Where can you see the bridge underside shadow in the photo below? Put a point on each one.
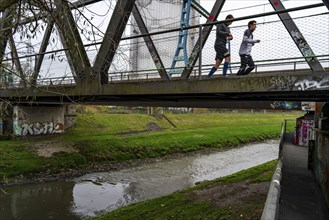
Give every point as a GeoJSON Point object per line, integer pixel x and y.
{"type": "Point", "coordinates": [301, 196]}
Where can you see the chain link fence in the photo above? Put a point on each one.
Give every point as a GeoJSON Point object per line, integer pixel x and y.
{"type": "Point", "coordinates": [133, 60]}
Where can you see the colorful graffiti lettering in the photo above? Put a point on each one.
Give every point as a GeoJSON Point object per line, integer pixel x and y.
{"type": "Point", "coordinates": [307, 131]}
{"type": "Point", "coordinates": [285, 105]}
{"type": "Point", "coordinates": [40, 128]}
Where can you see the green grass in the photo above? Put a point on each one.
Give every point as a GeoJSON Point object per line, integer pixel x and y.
{"type": "Point", "coordinates": [182, 205]}
{"type": "Point", "coordinates": [95, 136]}
{"type": "Point", "coordinates": [109, 124]}
{"type": "Point", "coordinates": [95, 125]}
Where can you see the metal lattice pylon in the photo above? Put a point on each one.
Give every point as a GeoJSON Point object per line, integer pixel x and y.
{"type": "Point", "coordinates": [182, 38]}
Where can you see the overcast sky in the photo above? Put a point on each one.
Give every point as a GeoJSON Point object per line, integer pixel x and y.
{"type": "Point", "coordinates": [238, 8]}
{"type": "Point", "coordinates": [242, 8]}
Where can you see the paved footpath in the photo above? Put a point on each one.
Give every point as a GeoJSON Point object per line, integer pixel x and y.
{"type": "Point", "coordinates": [301, 197]}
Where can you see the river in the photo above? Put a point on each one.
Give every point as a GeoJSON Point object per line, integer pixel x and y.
{"type": "Point", "coordinates": [95, 193]}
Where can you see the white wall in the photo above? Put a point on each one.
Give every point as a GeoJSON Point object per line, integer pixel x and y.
{"type": "Point", "coordinates": [160, 16]}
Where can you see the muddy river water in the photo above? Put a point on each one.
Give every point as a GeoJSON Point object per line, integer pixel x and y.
{"type": "Point", "coordinates": [95, 193]}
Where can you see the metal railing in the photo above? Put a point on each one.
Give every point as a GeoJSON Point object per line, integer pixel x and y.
{"type": "Point", "coordinates": [271, 208]}
{"type": "Point", "coordinates": [199, 73]}
{"type": "Point", "coordinates": [289, 64]}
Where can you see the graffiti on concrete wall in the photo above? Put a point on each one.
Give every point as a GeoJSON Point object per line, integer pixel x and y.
{"type": "Point", "coordinates": [308, 106]}
{"type": "Point", "coordinates": [16, 128]}
{"type": "Point", "coordinates": [24, 125]}
{"type": "Point", "coordinates": [16, 118]}
{"type": "Point", "coordinates": [282, 82]}
{"type": "Point", "coordinates": [312, 84]}
{"type": "Point", "coordinates": [290, 82]}
{"type": "Point", "coordinates": [285, 105]}
{"type": "Point", "coordinates": [38, 128]}
{"type": "Point", "coordinates": [307, 132]}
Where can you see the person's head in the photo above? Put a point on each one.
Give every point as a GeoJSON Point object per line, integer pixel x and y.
{"type": "Point", "coordinates": [228, 17]}
{"type": "Point", "coordinates": [252, 25]}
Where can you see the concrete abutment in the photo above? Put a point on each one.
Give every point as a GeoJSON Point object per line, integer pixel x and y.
{"type": "Point", "coordinates": [24, 120]}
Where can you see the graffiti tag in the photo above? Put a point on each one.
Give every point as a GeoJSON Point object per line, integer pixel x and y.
{"type": "Point", "coordinates": [281, 82]}
{"type": "Point", "coordinates": [307, 132]}
{"type": "Point", "coordinates": [302, 44]}
{"type": "Point", "coordinates": [309, 84]}
{"type": "Point", "coordinates": [285, 105]}
{"type": "Point", "coordinates": [41, 128]}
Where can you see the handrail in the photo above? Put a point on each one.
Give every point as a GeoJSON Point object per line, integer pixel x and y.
{"type": "Point", "coordinates": [294, 60]}
{"type": "Point", "coordinates": [283, 133]}
{"type": "Point", "coordinates": [152, 74]}
{"type": "Point", "coordinates": [271, 208]}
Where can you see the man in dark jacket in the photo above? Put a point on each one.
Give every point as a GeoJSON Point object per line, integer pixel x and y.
{"type": "Point", "coordinates": [245, 49]}
{"type": "Point", "coordinates": [223, 34]}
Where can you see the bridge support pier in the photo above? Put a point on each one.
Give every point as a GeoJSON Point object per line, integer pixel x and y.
{"type": "Point", "coordinates": [6, 119]}
{"type": "Point", "coordinates": [20, 121]}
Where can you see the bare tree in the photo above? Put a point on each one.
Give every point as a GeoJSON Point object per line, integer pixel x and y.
{"type": "Point", "coordinates": [62, 25]}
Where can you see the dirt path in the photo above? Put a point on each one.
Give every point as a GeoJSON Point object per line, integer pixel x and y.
{"type": "Point", "coordinates": [48, 148]}
{"type": "Point", "coordinates": [234, 196]}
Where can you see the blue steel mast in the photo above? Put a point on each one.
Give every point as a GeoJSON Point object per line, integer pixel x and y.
{"type": "Point", "coordinates": [182, 38]}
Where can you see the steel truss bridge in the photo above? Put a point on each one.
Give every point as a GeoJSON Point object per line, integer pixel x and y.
{"type": "Point", "coordinates": [94, 79]}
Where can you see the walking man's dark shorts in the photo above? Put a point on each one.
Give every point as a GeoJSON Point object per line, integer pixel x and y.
{"type": "Point", "coordinates": [221, 52]}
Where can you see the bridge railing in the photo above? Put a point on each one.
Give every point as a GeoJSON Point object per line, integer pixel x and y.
{"type": "Point", "coordinates": [262, 66]}
{"type": "Point", "coordinates": [56, 81]}
{"type": "Point", "coordinates": [271, 208]}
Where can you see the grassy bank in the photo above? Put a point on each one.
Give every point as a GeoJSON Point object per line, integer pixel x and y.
{"type": "Point", "coordinates": [112, 138]}
{"type": "Point", "coordinates": [239, 196]}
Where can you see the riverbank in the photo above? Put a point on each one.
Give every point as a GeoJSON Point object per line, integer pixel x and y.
{"type": "Point", "coordinates": [111, 141]}
{"type": "Point", "coordinates": [238, 196]}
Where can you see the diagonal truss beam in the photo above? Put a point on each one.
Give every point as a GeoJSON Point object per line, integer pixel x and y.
{"type": "Point", "coordinates": [297, 37]}
{"type": "Point", "coordinates": [326, 2]}
{"type": "Point", "coordinates": [200, 9]}
{"type": "Point", "coordinates": [5, 30]}
{"type": "Point", "coordinates": [112, 37]}
{"type": "Point", "coordinates": [17, 62]}
{"type": "Point", "coordinates": [70, 37]}
{"type": "Point", "coordinates": [149, 43]}
{"type": "Point", "coordinates": [43, 48]}
{"type": "Point", "coordinates": [205, 34]}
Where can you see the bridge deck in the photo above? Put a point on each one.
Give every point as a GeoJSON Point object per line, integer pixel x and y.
{"type": "Point", "coordinates": [301, 196]}
{"type": "Point", "coordinates": [302, 85]}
